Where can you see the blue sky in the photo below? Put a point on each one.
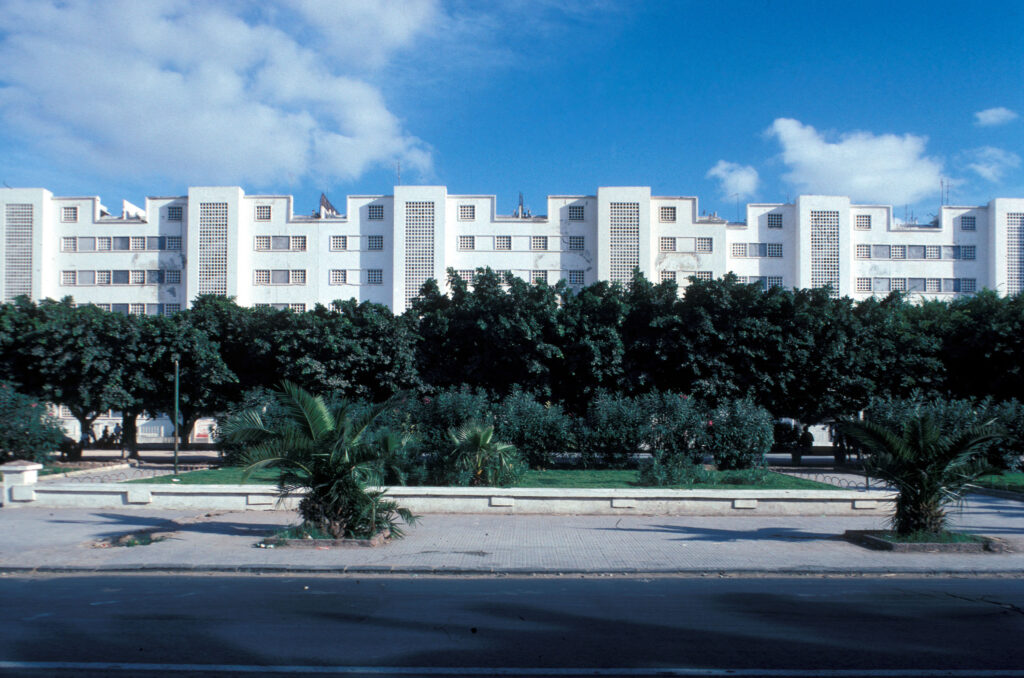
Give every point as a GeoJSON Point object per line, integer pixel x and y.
{"type": "Point", "coordinates": [728, 101]}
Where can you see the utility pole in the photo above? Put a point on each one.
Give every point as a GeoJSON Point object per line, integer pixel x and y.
{"type": "Point", "coordinates": [175, 416]}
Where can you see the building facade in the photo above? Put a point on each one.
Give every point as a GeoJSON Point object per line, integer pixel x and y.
{"type": "Point", "coordinates": [218, 240]}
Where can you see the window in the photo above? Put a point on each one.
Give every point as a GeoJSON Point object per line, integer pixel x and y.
{"type": "Point", "coordinates": [968, 285]}
{"type": "Point", "coordinates": [68, 278]}
{"type": "Point", "coordinates": [968, 223]}
{"type": "Point", "coordinates": [757, 249]}
{"type": "Point", "coordinates": [375, 276]}
{"type": "Point", "coordinates": [121, 243]}
{"type": "Point", "coordinates": [774, 220]}
{"type": "Point", "coordinates": [281, 243]}
{"type": "Point", "coordinates": [898, 284]}
{"type": "Point", "coordinates": [863, 251]}
{"type": "Point", "coordinates": [137, 309]}
{"type": "Point", "coordinates": [863, 222]}
{"type": "Point", "coordinates": [375, 212]}
{"type": "Point", "coordinates": [69, 214]}
{"type": "Point", "coordinates": [103, 307]}
{"type": "Point", "coordinates": [537, 277]}
{"type": "Point", "coordinates": [262, 212]}
{"type": "Point", "coordinates": [950, 252]}
{"type": "Point", "coordinates": [87, 244]}
{"type": "Point", "coordinates": [69, 244]}
{"type": "Point", "coordinates": [576, 278]}
{"type": "Point", "coordinates": [739, 249]}
{"type": "Point", "coordinates": [338, 277]}
{"type": "Point", "coordinates": [775, 281]}
{"type": "Point", "coordinates": [263, 242]}
{"type": "Point", "coordinates": [339, 242]}
{"type": "Point", "coordinates": [467, 242]}
{"type": "Point", "coordinates": [863, 284]}
{"type": "Point", "coordinates": [102, 277]}
{"type": "Point", "coordinates": [375, 242]}
{"type": "Point", "coordinates": [298, 243]}
{"type": "Point", "coordinates": [156, 243]}
{"type": "Point", "coordinates": [539, 242]}
{"type": "Point", "coordinates": [468, 275]}
{"type": "Point", "coordinates": [154, 277]}
{"type": "Point", "coordinates": [705, 244]}
{"type": "Point", "coordinates": [898, 252]}
{"type": "Point", "coordinates": [933, 285]}
{"type": "Point", "coordinates": [668, 276]}
{"type": "Point", "coordinates": [575, 242]}
{"type": "Point", "coordinates": [880, 285]}
{"type": "Point", "coordinates": [86, 278]}
{"type": "Point", "coordinates": [280, 276]}
{"type": "Point", "coordinates": [668, 215]}
{"type": "Point", "coordinates": [174, 242]}
{"type": "Point", "coordinates": [703, 275]}
{"type": "Point", "coordinates": [103, 245]}
{"type": "Point", "coordinates": [171, 309]}
{"type": "Point", "coordinates": [915, 251]}
{"type": "Point", "coordinates": [932, 252]}
{"type": "Point", "coordinates": [915, 284]}
{"type": "Point", "coordinates": [467, 212]}
{"type": "Point", "coordinates": [120, 277]}
{"type": "Point", "coordinates": [137, 277]}
{"type": "Point", "coordinates": [138, 244]}
{"type": "Point", "coordinates": [503, 242]}
{"type": "Point", "coordinates": [968, 252]}
{"type": "Point", "coordinates": [172, 277]}
{"type": "Point", "coordinates": [668, 244]}
{"type": "Point", "coordinates": [775, 249]}
{"type": "Point", "coordinates": [298, 277]}
{"type": "Point", "coordinates": [880, 252]}
{"type": "Point", "coordinates": [575, 212]}
{"type": "Point", "coordinates": [297, 308]}
{"type": "Point", "coordinates": [261, 277]}
{"type": "Point", "coordinates": [174, 213]}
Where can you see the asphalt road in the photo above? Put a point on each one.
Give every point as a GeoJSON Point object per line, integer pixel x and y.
{"type": "Point", "coordinates": [275, 625]}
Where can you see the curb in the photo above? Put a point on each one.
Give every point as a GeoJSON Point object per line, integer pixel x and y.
{"type": "Point", "coordinates": [1001, 494]}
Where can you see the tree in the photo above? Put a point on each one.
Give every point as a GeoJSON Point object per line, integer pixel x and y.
{"type": "Point", "coordinates": [928, 468]}
{"type": "Point", "coordinates": [332, 453]}
{"type": "Point", "coordinates": [27, 431]}
{"type": "Point", "coordinates": [479, 459]}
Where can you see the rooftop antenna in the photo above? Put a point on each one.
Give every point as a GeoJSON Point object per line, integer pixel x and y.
{"type": "Point", "coordinates": [521, 211]}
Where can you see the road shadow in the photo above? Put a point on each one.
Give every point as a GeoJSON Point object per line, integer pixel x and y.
{"type": "Point", "coordinates": [693, 533]}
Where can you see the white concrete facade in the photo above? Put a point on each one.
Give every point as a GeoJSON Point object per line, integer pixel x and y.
{"type": "Point", "coordinates": [219, 240]}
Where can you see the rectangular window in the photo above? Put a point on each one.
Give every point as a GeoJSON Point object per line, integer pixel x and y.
{"type": "Point", "coordinates": [932, 252]}
{"type": "Point", "coordinates": [576, 278]}
{"type": "Point", "coordinates": [503, 242]}
{"type": "Point", "coordinates": [69, 244]}
{"type": "Point", "coordinates": [338, 276]}
{"type": "Point", "coordinates": [539, 242]}
{"type": "Point", "coordinates": [668, 215]}
{"type": "Point", "coordinates": [915, 284]}
{"type": "Point", "coordinates": [138, 277]}
{"type": "Point", "coordinates": [739, 249]}
{"type": "Point", "coordinates": [280, 276]}
{"type": "Point", "coordinates": [375, 242]}
{"type": "Point", "coordinates": [174, 213]}
{"type": "Point", "coordinates": [537, 277]}
{"type": "Point", "coordinates": [339, 242]}
{"type": "Point", "coordinates": [137, 309]}
{"type": "Point", "coordinates": [968, 251]}
{"type": "Point", "coordinates": [86, 278]}
{"type": "Point", "coordinates": [863, 222]}
{"type": "Point", "coordinates": [668, 276]}
{"type": "Point", "coordinates": [69, 214]}
{"type": "Point", "coordinates": [704, 275]}
{"type": "Point", "coordinates": [156, 243]}
{"type": "Point", "coordinates": [467, 212]}
{"type": "Point", "coordinates": [103, 307]}
{"type": "Point", "coordinates": [154, 277]}
{"type": "Point", "coordinates": [120, 277]}
{"type": "Point", "coordinates": [171, 309]}
{"type": "Point", "coordinates": [467, 274]}
{"type": "Point", "coordinates": [467, 242]}
{"type": "Point", "coordinates": [575, 212]}
{"type": "Point", "coordinates": [262, 212]}
{"type": "Point", "coordinates": [950, 252]}
{"type": "Point", "coordinates": [950, 285]}
{"type": "Point", "coordinates": [154, 309]}
{"type": "Point", "coordinates": [775, 281]}
{"type": "Point", "coordinates": [775, 249]}
{"type": "Point", "coordinates": [298, 277]}
{"type": "Point", "coordinates": [668, 244]}
{"type": "Point", "coordinates": [968, 223]}
{"type": "Point", "coordinates": [774, 220]}
{"type": "Point", "coordinates": [898, 252]}
{"type": "Point", "coordinates": [298, 243]}
{"type": "Point", "coordinates": [87, 244]}
{"type": "Point", "coordinates": [172, 277]}
{"type": "Point", "coordinates": [297, 308]}
{"type": "Point", "coordinates": [375, 212]}
{"type": "Point", "coordinates": [968, 285]}
{"type": "Point", "coordinates": [575, 242]}
{"type": "Point", "coordinates": [262, 242]}
{"type": "Point", "coordinates": [705, 245]}
{"type": "Point", "coordinates": [281, 243]}
{"type": "Point", "coordinates": [375, 276]}
{"type": "Point", "coordinates": [174, 242]}
{"type": "Point", "coordinates": [863, 284]}
{"type": "Point", "coordinates": [880, 285]}
{"type": "Point", "coordinates": [899, 284]}
{"type": "Point", "coordinates": [261, 277]}
{"type": "Point", "coordinates": [103, 244]}
{"type": "Point", "coordinates": [121, 243]}
{"type": "Point", "coordinates": [915, 251]}
{"type": "Point", "coordinates": [103, 277]}
{"type": "Point", "coordinates": [138, 244]}
{"type": "Point", "coordinates": [757, 249]}
{"type": "Point", "coordinates": [863, 251]}
{"type": "Point", "coordinates": [879, 251]}
{"type": "Point", "coordinates": [68, 278]}
{"type": "Point", "coordinates": [933, 285]}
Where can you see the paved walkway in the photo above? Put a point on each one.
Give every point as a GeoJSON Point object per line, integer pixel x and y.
{"type": "Point", "coordinates": [63, 539]}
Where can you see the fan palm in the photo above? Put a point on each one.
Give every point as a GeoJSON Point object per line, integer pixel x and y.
{"type": "Point", "coordinates": [481, 459]}
{"type": "Point", "coordinates": [333, 453]}
{"type": "Point", "coordinates": [928, 468]}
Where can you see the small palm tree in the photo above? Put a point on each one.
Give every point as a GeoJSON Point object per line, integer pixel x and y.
{"type": "Point", "coordinates": [481, 459]}
{"type": "Point", "coordinates": [334, 454]}
{"type": "Point", "coordinates": [928, 468]}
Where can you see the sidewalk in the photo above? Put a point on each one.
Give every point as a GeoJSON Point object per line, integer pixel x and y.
{"type": "Point", "coordinates": [62, 540]}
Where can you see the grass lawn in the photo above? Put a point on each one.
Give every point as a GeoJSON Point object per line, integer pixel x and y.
{"type": "Point", "coordinates": [1004, 481]}
{"type": "Point", "coordinates": [566, 479]}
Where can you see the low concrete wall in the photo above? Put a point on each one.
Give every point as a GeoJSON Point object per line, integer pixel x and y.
{"type": "Point", "coordinates": [468, 499]}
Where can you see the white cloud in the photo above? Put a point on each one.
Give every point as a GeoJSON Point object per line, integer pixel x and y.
{"type": "Point", "coordinates": [735, 179]}
{"type": "Point", "coordinates": [885, 168]}
{"type": "Point", "coordinates": [994, 116]}
{"type": "Point", "coordinates": [991, 163]}
{"type": "Point", "coordinates": [199, 92]}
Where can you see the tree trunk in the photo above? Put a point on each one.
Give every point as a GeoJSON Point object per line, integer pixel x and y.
{"type": "Point", "coordinates": [185, 430]}
{"type": "Point", "coordinates": [130, 433]}
{"type": "Point", "coordinates": [85, 429]}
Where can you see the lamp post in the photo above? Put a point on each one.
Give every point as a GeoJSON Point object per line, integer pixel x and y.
{"type": "Point", "coordinates": [175, 416]}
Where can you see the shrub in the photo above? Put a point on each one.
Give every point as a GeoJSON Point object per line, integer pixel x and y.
{"type": "Point", "coordinates": [272, 414]}
{"type": "Point", "coordinates": [27, 430]}
{"type": "Point", "coordinates": [674, 425]}
{"type": "Point", "coordinates": [738, 435]}
{"type": "Point", "coordinates": [477, 458]}
{"type": "Point", "coordinates": [614, 428]}
{"type": "Point", "coordinates": [430, 417]}
{"type": "Point", "coordinates": [538, 430]}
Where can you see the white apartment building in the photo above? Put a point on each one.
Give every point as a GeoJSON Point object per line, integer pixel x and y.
{"type": "Point", "coordinates": [218, 240]}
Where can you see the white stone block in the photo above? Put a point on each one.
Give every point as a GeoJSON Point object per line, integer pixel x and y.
{"type": "Point", "coordinates": [861, 504]}
{"type": "Point", "coordinates": [744, 503]}
{"type": "Point", "coordinates": [623, 503]}
{"type": "Point", "coordinates": [23, 493]}
{"type": "Point", "coordinates": [502, 501]}
{"type": "Point", "coordinates": [138, 496]}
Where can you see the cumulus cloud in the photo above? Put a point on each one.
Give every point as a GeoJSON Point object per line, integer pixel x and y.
{"type": "Point", "coordinates": [994, 116]}
{"type": "Point", "coordinates": [205, 92]}
{"type": "Point", "coordinates": [991, 163]}
{"type": "Point", "coordinates": [886, 168]}
{"type": "Point", "coordinates": [735, 179]}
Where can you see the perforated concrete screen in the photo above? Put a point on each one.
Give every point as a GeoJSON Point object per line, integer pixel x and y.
{"type": "Point", "coordinates": [419, 247]}
{"type": "Point", "coordinates": [18, 252]}
{"type": "Point", "coordinates": [825, 250]}
{"type": "Point", "coordinates": [213, 248]}
{"type": "Point", "coordinates": [625, 240]}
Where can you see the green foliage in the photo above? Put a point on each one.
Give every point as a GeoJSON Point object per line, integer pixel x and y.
{"type": "Point", "coordinates": [614, 428]}
{"type": "Point", "coordinates": [335, 456]}
{"type": "Point", "coordinates": [272, 414]}
{"type": "Point", "coordinates": [27, 430]}
{"type": "Point", "coordinates": [928, 467]}
{"type": "Point", "coordinates": [430, 417]}
{"type": "Point", "coordinates": [738, 435]}
{"type": "Point", "coordinates": [538, 430]}
{"type": "Point", "coordinates": [477, 458]}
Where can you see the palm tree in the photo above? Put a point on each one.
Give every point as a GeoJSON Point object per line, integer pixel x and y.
{"type": "Point", "coordinates": [333, 453]}
{"type": "Point", "coordinates": [481, 459]}
{"type": "Point", "coordinates": [928, 468]}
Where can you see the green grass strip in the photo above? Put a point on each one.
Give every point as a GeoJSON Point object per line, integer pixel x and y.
{"type": "Point", "coordinates": [1013, 482]}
